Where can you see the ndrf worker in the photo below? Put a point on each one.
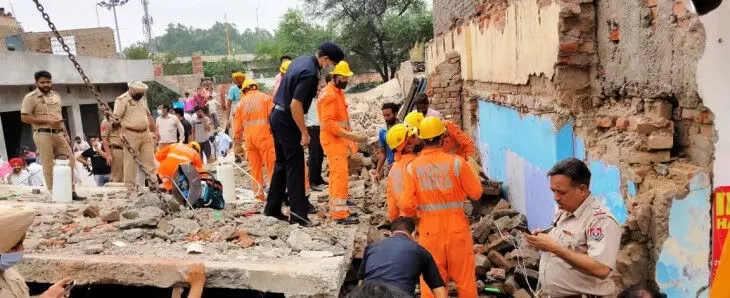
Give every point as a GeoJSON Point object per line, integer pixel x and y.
{"type": "Point", "coordinates": [136, 120]}
{"type": "Point", "coordinates": [251, 124]}
{"type": "Point", "coordinates": [404, 142]}
{"type": "Point", "coordinates": [171, 156]}
{"type": "Point", "coordinates": [435, 186]}
{"type": "Point", "coordinates": [337, 141]}
{"type": "Point", "coordinates": [456, 141]}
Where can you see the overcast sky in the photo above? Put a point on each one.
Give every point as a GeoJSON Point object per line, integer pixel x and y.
{"type": "Point", "coordinates": [75, 14]}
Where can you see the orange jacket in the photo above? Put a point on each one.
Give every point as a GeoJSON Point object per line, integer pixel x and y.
{"type": "Point", "coordinates": [457, 141]}
{"type": "Point", "coordinates": [435, 187]}
{"type": "Point", "coordinates": [333, 116]}
{"type": "Point", "coordinates": [174, 155]}
{"type": "Point", "coordinates": [252, 114]}
{"type": "Point", "coordinates": [394, 188]}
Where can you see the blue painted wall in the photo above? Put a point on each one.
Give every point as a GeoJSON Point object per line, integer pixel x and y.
{"type": "Point", "coordinates": [606, 186]}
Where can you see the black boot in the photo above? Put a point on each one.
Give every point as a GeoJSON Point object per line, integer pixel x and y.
{"type": "Point", "coordinates": [350, 220]}
{"type": "Point", "coordinates": [76, 197]}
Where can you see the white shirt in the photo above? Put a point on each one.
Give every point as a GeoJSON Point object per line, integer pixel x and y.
{"type": "Point", "coordinates": [170, 128]}
{"type": "Point", "coordinates": [19, 178]}
{"type": "Point", "coordinates": [36, 174]}
{"type": "Point", "coordinates": [81, 147]}
{"type": "Point", "coordinates": [213, 106]}
{"type": "Point", "coordinates": [311, 118]}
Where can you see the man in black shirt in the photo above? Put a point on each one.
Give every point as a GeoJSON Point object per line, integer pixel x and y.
{"type": "Point", "coordinates": [99, 167]}
{"type": "Point", "coordinates": [291, 100]}
{"type": "Point", "coordinates": [187, 127]}
{"type": "Point", "coordinates": [399, 261]}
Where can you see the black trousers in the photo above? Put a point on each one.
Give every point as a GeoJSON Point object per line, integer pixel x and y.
{"type": "Point", "coordinates": [288, 173]}
{"type": "Point", "coordinates": [316, 157]}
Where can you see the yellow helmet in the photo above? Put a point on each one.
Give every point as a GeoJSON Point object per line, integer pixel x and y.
{"type": "Point", "coordinates": [236, 75]}
{"type": "Point", "coordinates": [414, 119]}
{"type": "Point", "coordinates": [398, 134]}
{"type": "Point", "coordinates": [248, 82]}
{"type": "Point", "coordinates": [342, 69]}
{"type": "Point", "coordinates": [284, 66]}
{"type": "Point", "coordinates": [431, 127]}
{"type": "Point", "coordinates": [194, 145]}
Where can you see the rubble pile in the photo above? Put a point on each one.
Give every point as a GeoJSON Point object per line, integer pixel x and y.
{"type": "Point", "coordinates": [156, 225]}
{"type": "Point", "coordinates": [499, 263]}
{"type": "Point", "coordinates": [365, 107]}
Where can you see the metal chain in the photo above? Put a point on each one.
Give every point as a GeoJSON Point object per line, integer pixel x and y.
{"type": "Point", "coordinates": [104, 107]}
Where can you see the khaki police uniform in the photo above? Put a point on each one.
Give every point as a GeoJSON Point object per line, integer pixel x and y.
{"type": "Point", "coordinates": [590, 230]}
{"type": "Point", "coordinates": [113, 137]}
{"type": "Point", "coordinates": [135, 129]}
{"type": "Point", "coordinates": [50, 142]}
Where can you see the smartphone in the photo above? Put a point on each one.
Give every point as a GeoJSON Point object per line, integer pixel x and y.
{"type": "Point", "coordinates": [68, 287]}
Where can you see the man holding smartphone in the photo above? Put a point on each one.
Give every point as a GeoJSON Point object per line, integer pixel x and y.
{"type": "Point", "coordinates": [582, 246]}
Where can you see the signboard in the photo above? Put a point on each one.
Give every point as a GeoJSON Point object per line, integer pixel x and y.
{"type": "Point", "coordinates": [720, 225]}
{"type": "Point", "coordinates": [58, 49]}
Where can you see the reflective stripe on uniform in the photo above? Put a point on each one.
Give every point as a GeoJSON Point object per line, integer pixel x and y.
{"type": "Point", "coordinates": [255, 122]}
{"type": "Point", "coordinates": [185, 158]}
{"type": "Point", "coordinates": [338, 208]}
{"type": "Point", "coordinates": [441, 206]}
{"type": "Point", "coordinates": [343, 123]}
{"type": "Point", "coordinates": [338, 201]}
{"type": "Point", "coordinates": [433, 177]}
{"type": "Point", "coordinates": [457, 166]}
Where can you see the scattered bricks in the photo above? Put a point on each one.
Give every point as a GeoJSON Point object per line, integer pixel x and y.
{"type": "Point", "coordinates": [704, 117]}
{"type": "Point", "coordinates": [480, 260]}
{"type": "Point", "coordinates": [479, 249]}
{"type": "Point", "coordinates": [518, 220]}
{"type": "Point", "coordinates": [453, 89]}
{"type": "Point", "coordinates": [638, 157]}
{"type": "Point", "coordinates": [660, 141]}
{"type": "Point", "coordinates": [111, 216]}
{"type": "Point", "coordinates": [521, 293]}
{"type": "Point", "coordinates": [502, 204]}
{"type": "Point", "coordinates": [646, 126]}
{"type": "Point", "coordinates": [481, 230]}
{"type": "Point", "coordinates": [502, 223]}
{"type": "Point", "coordinates": [707, 131]}
{"type": "Point", "coordinates": [622, 123]}
{"type": "Point", "coordinates": [530, 274]}
{"type": "Point", "coordinates": [658, 109]}
{"type": "Point", "coordinates": [91, 211]}
{"type": "Point", "coordinates": [94, 249]}
{"type": "Point", "coordinates": [497, 273]}
{"type": "Point", "coordinates": [493, 237]}
{"type": "Point", "coordinates": [504, 212]}
{"type": "Point", "coordinates": [500, 244]}
{"type": "Point", "coordinates": [499, 260]}
{"type": "Point", "coordinates": [569, 47]}
{"type": "Point", "coordinates": [689, 114]}
{"type": "Point", "coordinates": [604, 122]}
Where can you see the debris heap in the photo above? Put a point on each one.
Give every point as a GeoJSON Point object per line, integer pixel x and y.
{"type": "Point", "coordinates": [365, 107]}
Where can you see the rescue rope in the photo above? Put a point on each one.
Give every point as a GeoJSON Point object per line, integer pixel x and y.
{"type": "Point", "coordinates": [103, 106]}
{"type": "Point", "coordinates": [520, 265]}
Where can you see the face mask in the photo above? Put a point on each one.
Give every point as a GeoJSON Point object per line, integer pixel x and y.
{"type": "Point", "coordinates": [341, 85]}
{"type": "Point", "coordinates": [138, 96]}
{"type": "Point", "coordinates": [8, 260]}
{"type": "Point", "coordinates": [159, 111]}
{"type": "Point", "coordinates": [78, 141]}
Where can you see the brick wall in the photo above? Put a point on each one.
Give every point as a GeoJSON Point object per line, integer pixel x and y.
{"type": "Point", "coordinates": [447, 14]}
{"type": "Point", "coordinates": [92, 42]}
{"type": "Point", "coordinates": [444, 88]}
{"type": "Point", "coordinates": [8, 26]}
{"type": "Point", "coordinates": [197, 62]}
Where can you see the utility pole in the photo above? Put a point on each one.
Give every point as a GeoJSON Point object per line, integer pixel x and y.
{"type": "Point", "coordinates": [147, 24]}
{"type": "Point", "coordinates": [98, 24]}
{"type": "Point", "coordinates": [112, 5]}
{"type": "Point", "coordinates": [228, 42]}
{"type": "Point", "coordinates": [257, 23]}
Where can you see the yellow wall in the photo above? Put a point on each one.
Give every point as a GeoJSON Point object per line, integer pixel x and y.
{"type": "Point", "coordinates": [528, 44]}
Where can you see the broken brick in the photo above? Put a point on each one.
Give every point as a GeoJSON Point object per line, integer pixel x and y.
{"type": "Point", "coordinates": [569, 47]}
{"type": "Point", "coordinates": [499, 260]}
{"type": "Point", "coordinates": [497, 273]}
{"type": "Point", "coordinates": [660, 141]}
{"type": "Point", "coordinates": [500, 244]}
{"type": "Point", "coordinates": [614, 35]}
{"type": "Point", "coordinates": [645, 126]}
{"type": "Point", "coordinates": [639, 157]}
{"type": "Point", "coordinates": [689, 114]}
{"type": "Point", "coordinates": [604, 122]}
{"type": "Point", "coordinates": [704, 117]}
{"type": "Point", "coordinates": [707, 131]}
{"type": "Point", "coordinates": [622, 123]}
{"type": "Point", "coordinates": [658, 109]}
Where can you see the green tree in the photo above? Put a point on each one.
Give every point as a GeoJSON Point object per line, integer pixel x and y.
{"type": "Point", "coordinates": [221, 71]}
{"type": "Point", "coordinates": [379, 32]}
{"type": "Point", "coordinates": [186, 41]}
{"type": "Point", "coordinates": [159, 95]}
{"type": "Point", "coordinates": [295, 36]}
{"type": "Point", "coordinates": [137, 52]}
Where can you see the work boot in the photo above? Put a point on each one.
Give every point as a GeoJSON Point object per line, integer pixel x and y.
{"type": "Point", "coordinates": [318, 187]}
{"type": "Point", "coordinates": [351, 203]}
{"type": "Point", "coordinates": [350, 220]}
{"type": "Point", "coordinates": [312, 209]}
{"type": "Point", "coordinates": [279, 216]}
{"type": "Point", "coordinates": [75, 197]}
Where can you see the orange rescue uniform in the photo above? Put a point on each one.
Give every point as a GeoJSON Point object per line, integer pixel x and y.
{"type": "Point", "coordinates": [435, 187]}
{"type": "Point", "coordinates": [172, 156]}
{"type": "Point", "coordinates": [333, 116]}
{"type": "Point", "coordinates": [457, 142]}
{"type": "Point", "coordinates": [394, 187]}
{"type": "Point", "coordinates": [252, 119]}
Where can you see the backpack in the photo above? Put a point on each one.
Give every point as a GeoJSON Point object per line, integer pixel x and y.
{"type": "Point", "coordinates": [212, 195]}
{"type": "Point", "coordinates": [197, 189]}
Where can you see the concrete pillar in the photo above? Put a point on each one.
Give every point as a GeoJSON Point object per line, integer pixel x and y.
{"type": "Point", "coordinates": [75, 123]}
{"type": "Point", "coordinates": [3, 148]}
{"type": "Point", "coordinates": [197, 62]}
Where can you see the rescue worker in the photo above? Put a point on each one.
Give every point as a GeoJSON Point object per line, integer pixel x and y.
{"type": "Point", "coordinates": [113, 146]}
{"type": "Point", "coordinates": [232, 99]}
{"type": "Point", "coordinates": [171, 156]}
{"type": "Point", "coordinates": [41, 108]}
{"type": "Point", "coordinates": [294, 97]}
{"type": "Point", "coordinates": [456, 141]}
{"type": "Point", "coordinates": [136, 121]}
{"type": "Point", "coordinates": [404, 142]}
{"type": "Point", "coordinates": [282, 71]}
{"type": "Point", "coordinates": [435, 186]}
{"type": "Point", "coordinates": [582, 245]}
{"type": "Point", "coordinates": [337, 141]}
{"type": "Point", "coordinates": [413, 119]}
{"type": "Point", "coordinates": [251, 125]}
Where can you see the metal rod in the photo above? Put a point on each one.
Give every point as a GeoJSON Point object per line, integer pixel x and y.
{"type": "Point", "coordinates": [116, 23]}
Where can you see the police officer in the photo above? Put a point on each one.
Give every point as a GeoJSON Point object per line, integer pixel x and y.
{"type": "Point", "coordinates": [136, 124]}
{"type": "Point", "coordinates": [111, 137]}
{"type": "Point", "coordinates": [293, 97]}
{"type": "Point", "coordinates": [41, 108]}
{"type": "Point", "coordinates": [582, 244]}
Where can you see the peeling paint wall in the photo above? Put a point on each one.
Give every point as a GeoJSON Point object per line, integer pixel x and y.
{"type": "Point", "coordinates": [527, 43]}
